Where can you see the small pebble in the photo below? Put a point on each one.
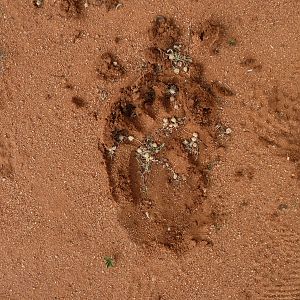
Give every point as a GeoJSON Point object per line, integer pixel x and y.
{"type": "Point", "coordinates": [185, 69]}
{"type": "Point", "coordinates": [176, 71]}
{"type": "Point", "coordinates": [38, 3]}
{"type": "Point", "coordinates": [228, 130]}
{"type": "Point", "coordinates": [174, 120]}
{"type": "Point", "coordinates": [194, 139]}
{"type": "Point", "coordinates": [172, 90]}
{"type": "Point", "coordinates": [119, 5]}
{"type": "Point", "coordinates": [195, 134]}
{"type": "Point", "coordinates": [115, 63]}
{"type": "Point", "coordinates": [130, 138]}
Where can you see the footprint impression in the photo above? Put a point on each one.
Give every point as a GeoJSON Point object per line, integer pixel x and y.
{"type": "Point", "coordinates": [158, 144]}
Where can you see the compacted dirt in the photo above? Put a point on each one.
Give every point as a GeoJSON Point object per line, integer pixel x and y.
{"type": "Point", "coordinates": [149, 150]}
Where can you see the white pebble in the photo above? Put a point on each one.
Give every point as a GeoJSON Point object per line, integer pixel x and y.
{"type": "Point", "coordinates": [195, 134]}
{"type": "Point", "coordinates": [172, 91]}
{"type": "Point", "coordinates": [176, 71]}
{"type": "Point", "coordinates": [130, 138]}
{"type": "Point", "coordinates": [38, 3]}
{"type": "Point", "coordinates": [228, 130]}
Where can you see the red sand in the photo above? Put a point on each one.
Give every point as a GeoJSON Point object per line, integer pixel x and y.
{"type": "Point", "coordinates": [226, 226]}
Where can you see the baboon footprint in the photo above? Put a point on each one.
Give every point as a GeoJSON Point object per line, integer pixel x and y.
{"type": "Point", "coordinates": [160, 139]}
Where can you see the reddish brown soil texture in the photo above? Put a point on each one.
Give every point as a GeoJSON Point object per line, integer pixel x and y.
{"type": "Point", "coordinates": [90, 168]}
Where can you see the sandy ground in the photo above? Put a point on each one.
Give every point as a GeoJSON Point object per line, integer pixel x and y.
{"type": "Point", "coordinates": [64, 206]}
